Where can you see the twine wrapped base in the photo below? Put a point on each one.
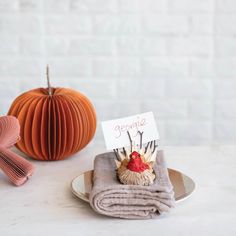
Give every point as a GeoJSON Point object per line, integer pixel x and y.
{"type": "Point", "coordinates": [128, 177]}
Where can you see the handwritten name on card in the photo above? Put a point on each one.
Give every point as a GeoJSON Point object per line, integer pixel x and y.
{"type": "Point", "coordinates": [115, 131]}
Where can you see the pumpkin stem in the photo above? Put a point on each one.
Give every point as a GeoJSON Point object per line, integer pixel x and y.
{"type": "Point", "coordinates": [48, 81]}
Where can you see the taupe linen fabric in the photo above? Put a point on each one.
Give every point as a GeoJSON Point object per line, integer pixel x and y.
{"type": "Point", "coordinates": [110, 197]}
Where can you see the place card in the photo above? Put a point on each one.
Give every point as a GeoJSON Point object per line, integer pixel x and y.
{"type": "Point", "coordinates": [115, 131]}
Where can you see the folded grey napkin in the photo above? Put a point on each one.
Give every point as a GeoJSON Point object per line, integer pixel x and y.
{"type": "Point", "coordinates": [110, 197]}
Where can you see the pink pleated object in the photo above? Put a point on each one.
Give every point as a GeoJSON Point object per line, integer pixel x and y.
{"type": "Point", "coordinates": [14, 166]}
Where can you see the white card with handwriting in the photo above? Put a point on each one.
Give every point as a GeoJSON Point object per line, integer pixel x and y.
{"type": "Point", "coordinates": [115, 131]}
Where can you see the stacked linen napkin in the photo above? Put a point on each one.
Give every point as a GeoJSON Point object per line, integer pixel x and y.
{"type": "Point", "coordinates": [110, 197]}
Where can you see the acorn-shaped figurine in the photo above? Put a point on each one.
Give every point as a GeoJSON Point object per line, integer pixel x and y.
{"type": "Point", "coordinates": [134, 167]}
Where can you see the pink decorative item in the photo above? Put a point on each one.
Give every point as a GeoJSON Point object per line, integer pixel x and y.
{"type": "Point", "coordinates": [14, 166]}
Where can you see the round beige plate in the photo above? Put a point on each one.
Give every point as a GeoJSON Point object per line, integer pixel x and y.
{"type": "Point", "coordinates": [183, 185]}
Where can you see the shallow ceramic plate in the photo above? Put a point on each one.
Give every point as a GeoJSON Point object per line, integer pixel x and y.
{"type": "Point", "coordinates": [183, 185]}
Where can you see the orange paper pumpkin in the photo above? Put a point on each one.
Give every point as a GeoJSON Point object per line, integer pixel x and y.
{"type": "Point", "coordinates": [55, 122]}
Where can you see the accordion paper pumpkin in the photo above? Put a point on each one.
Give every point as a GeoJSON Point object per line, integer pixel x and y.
{"type": "Point", "coordinates": [55, 126]}
{"type": "Point", "coordinates": [15, 167]}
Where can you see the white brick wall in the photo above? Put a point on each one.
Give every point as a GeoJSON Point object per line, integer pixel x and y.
{"type": "Point", "coordinates": [175, 57]}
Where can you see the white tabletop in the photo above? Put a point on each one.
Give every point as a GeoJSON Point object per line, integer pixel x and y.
{"type": "Point", "coordinates": [46, 206]}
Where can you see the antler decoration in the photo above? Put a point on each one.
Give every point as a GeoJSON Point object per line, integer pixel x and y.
{"type": "Point", "coordinates": [134, 164]}
{"type": "Point", "coordinates": [15, 167]}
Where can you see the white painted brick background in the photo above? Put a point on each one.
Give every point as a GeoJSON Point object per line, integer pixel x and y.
{"type": "Point", "coordinates": [174, 57]}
